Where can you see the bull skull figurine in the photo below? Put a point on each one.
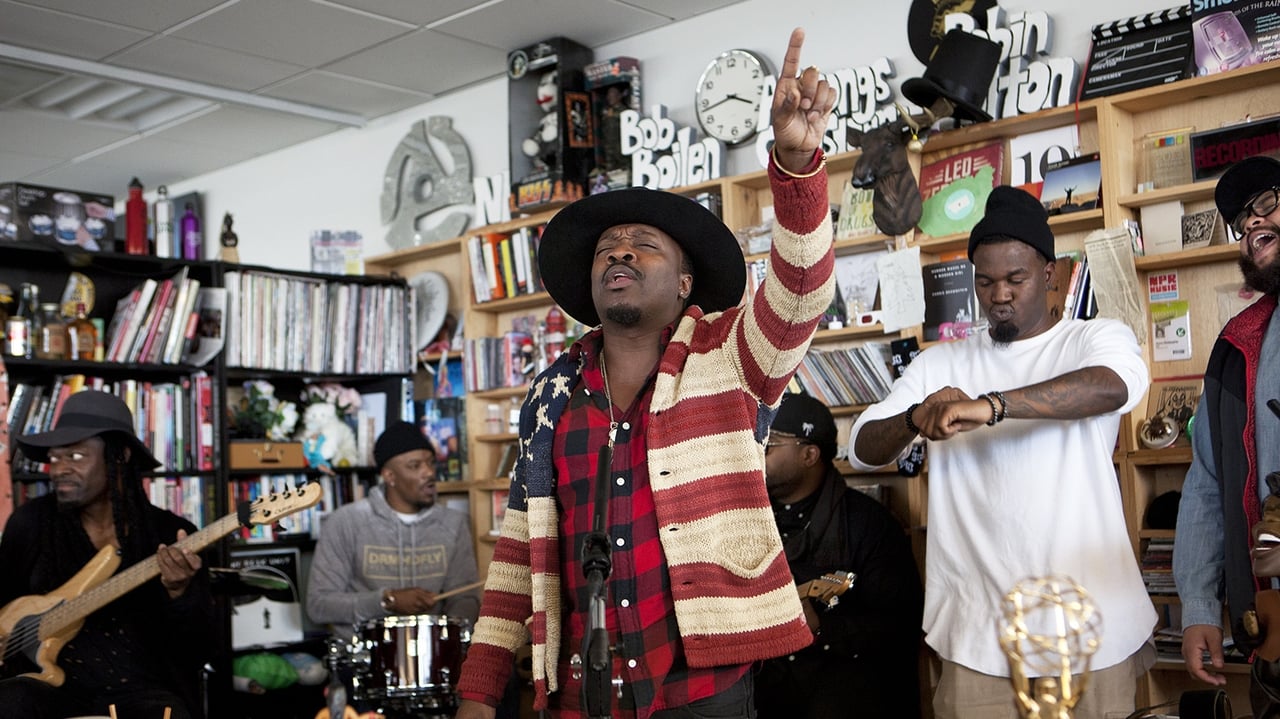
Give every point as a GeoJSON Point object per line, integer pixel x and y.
{"type": "Point", "coordinates": [883, 166]}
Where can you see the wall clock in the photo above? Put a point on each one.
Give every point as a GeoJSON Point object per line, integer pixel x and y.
{"type": "Point", "coordinates": [727, 99]}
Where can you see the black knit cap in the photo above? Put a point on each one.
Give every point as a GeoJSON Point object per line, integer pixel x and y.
{"type": "Point", "coordinates": [1014, 213]}
{"type": "Point", "coordinates": [809, 419]}
{"type": "Point", "coordinates": [399, 438]}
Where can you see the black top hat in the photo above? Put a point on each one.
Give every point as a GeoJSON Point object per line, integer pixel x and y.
{"type": "Point", "coordinates": [1242, 181]}
{"type": "Point", "coordinates": [89, 414]}
{"type": "Point", "coordinates": [961, 71]}
{"type": "Point", "coordinates": [568, 247]}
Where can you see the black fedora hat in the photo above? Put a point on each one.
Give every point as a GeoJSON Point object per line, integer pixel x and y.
{"type": "Point", "coordinates": [89, 414]}
{"type": "Point", "coordinates": [961, 71]}
{"type": "Point", "coordinates": [1242, 181]}
{"type": "Point", "coordinates": [568, 247]}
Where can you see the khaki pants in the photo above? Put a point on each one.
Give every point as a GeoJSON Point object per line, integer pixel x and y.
{"type": "Point", "coordinates": [965, 694]}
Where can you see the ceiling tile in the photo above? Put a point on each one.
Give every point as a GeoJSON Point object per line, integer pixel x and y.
{"type": "Point", "coordinates": [511, 25]}
{"type": "Point", "coordinates": [145, 14]}
{"type": "Point", "coordinates": [414, 11]}
{"type": "Point", "coordinates": [86, 177]}
{"type": "Point", "coordinates": [254, 132]}
{"type": "Point", "coordinates": [325, 89]}
{"type": "Point", "coordinates": [682, 9]}
{"type": "Point", "coordinates": [157, 160]}
{"type": "Point", "coordinates": [316, 33]}
{"type": "Point", "coordinates": [16, 166]}
{"type": "Point", "coordinates": [63, 34]}
{"type": "Point", "coordinates": [203, 63]}
{"type": "Point", "coordinates": [426, 61]}
{"type": "Point", "coordinates": [18, 80]}
{"type": "Point", "coordinates": [38, 133]}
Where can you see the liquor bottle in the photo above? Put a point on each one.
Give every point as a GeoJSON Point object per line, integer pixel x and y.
{"type": "Point", "coordinates": [19, 325]}
{"type": "Point", "coordinates": [190, 230]}
{"type": "Point", "coordinates": [163, 222]}
{"type": "Point", "coordinates": [82, 336]}
{"type": "Point", "coordinates": [51, 342]}
{"type": "Point", "coordinates": [135, 220]}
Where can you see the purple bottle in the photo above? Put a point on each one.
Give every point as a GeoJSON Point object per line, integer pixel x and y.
{"type": "Point", "coordinates": [190, 233]}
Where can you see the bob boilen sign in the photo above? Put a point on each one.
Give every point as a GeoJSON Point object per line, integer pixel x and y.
{"type": "Point", "coordinates": [664, 156]}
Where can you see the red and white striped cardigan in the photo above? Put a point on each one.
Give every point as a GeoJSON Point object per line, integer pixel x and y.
{"type": "Point", "coordinates": [718, 386]}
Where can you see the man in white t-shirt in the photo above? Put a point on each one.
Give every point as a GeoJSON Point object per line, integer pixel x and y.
{"type": "Point", "coordinates": [1021, 425]}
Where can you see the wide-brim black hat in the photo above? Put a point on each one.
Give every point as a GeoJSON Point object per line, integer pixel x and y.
{"type": "Point", "coordinates": [961, 71]}
{"type": "Point", "coordinates": [86, 414]}
{"type": "Point", "coordinates": [1242, 181]}
{"type": "Point", "coordinates": [568, 247]}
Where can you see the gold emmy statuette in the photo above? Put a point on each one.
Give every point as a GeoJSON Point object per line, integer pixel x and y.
{"type": "Point", "coordinates": [1050, 631]}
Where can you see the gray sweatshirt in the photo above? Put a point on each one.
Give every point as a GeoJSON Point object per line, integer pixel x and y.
{"type": "Point", "coordinates": [365, 547]}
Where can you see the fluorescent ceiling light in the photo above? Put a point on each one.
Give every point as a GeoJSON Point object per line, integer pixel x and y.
{"type": "Point", "coordinates": [48, 60]}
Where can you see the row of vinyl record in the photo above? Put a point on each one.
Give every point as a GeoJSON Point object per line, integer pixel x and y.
{"type": "Point", "coordinates": [849, 376]}
{"type": "Point", "coordinates": [505, 265]}
{"type": "Point", "coordinates": [494, 362]}
{"type": "Point", "coordinates": [306, 324]}
{"type": "Point", "coordinates": [174, 419]}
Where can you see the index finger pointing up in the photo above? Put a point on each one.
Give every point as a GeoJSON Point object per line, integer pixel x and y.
{"type": "Point", "coordinates": [791, 63]}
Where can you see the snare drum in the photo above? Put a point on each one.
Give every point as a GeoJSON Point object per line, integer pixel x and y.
{"type": "Point", "coordinates": [412, 657]}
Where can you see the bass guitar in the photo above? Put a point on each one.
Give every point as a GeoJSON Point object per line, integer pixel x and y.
{"type": "Point", "coordinates": [34, 628]}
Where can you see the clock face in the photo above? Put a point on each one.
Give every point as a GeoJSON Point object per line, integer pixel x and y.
{"type": "Point", "coordinates": [727, 100]}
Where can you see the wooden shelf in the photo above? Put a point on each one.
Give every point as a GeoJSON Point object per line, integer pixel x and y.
{"type": "Point", "coordinates": [1198, 88]}
{"type": "Point", "coordinates": [1190, 192]}
{"type": "Point", "coordinates": [519, 302]}
{"type": "Point", "coordinates": [1170, 665]}
{"type": "Point", "coordinates": [500, 438]}
{"type": "Point", "coordinates": [1169, 455]}
{"type": "Point", "coordinates": [1187, 258]}
{"type": "Point", "coordinates": [1156, 533]}
{"type": "Point", "coordinates": [501, 392]}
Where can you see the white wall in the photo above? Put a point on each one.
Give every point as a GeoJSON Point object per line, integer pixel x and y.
{"type": "Point", "coordinates": [335, 182]}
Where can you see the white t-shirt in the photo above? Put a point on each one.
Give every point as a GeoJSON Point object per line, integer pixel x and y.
{"type": "Point", "coordinates": [1024, 498]}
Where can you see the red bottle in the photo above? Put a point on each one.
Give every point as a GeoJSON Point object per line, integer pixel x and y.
{"type": "Point", "coordinates": [135, 220]}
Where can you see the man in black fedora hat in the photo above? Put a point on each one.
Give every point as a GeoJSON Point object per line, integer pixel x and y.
{"type": "Point", "coordinates": [1235, 445]}
{"type": "Point", "coordinates": [143, 651]}
{"type": "Point", "coordinates": [639, 492]}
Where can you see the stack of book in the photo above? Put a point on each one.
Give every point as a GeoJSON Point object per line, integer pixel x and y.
{"type": "Point", "coordinates": [153, 323]}
{"type": "Point", "coordinates": [505, 265]}
{"type": "Point", "coordinates": [1157, 566]}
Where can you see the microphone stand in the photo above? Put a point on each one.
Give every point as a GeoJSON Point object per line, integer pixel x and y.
{"type": "Point", "coordinates": [597, 563]}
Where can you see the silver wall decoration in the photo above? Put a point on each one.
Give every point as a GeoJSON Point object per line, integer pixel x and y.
{"type": "Point", "coordinates": [416, 184]}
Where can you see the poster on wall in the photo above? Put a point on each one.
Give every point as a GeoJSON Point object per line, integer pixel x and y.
{"type": "Point", "coordinates": [1230, 34]}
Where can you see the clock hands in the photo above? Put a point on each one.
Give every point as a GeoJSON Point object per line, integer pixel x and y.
{"type": "Point", "coordinates": [730, 96]}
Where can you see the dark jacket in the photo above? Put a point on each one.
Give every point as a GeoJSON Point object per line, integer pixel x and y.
{"type": "Point", "coordinates": [863, 661]}
{"type": "Point", "coordinates": [1229, 382]}
{"type": "Point", "coordinates": [142, 638]}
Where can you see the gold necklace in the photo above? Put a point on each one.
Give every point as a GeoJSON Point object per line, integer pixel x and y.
{"type": "Point", "coordinates": [608, 397]}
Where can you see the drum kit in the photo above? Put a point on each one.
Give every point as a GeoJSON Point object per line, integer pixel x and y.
{"type": "Point", "coordinates": [403, 666]}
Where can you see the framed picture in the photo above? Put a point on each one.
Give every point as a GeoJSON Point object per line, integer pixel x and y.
{"type": "Point", "coordinates": [577, 107]}
{"type": "Point", "coordinates": [1170, 404]}
{"type": "Point", "coordinates": [1072, 185]}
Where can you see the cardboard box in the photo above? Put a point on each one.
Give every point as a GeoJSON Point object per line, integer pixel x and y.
{"type": "Point", "coordinates": [261, 454]}
{"type": "Point", "coordinates": [551, 145]}
{"type": "Point", "coordinates": [50, 214]}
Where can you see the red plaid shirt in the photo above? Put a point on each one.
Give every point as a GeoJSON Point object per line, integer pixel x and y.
{"type": "Point", "coordinates": [640, 615]}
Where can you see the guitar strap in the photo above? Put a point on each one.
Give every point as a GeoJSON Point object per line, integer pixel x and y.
{"type": "Point", "coordinates": [6, 479]}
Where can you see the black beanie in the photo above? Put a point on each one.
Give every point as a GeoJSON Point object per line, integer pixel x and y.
{"type": "Point", "coordinates": [1014, 213]}
{"type": "Point", "coordinates": [808, 419]}
{"type": "Point", "coordinates": [399, 438]}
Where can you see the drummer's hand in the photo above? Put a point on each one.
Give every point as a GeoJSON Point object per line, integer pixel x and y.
{"type": "Point", "coordinates": [414, 600]}
{"type": "Point", "coordinates": [469, 709]}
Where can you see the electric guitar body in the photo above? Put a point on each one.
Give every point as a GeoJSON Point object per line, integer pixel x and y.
{"type": "Point", "coordinates": [34, 628]}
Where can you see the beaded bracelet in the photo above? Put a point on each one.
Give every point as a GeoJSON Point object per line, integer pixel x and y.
{"type": "Point", "coordinates": [995, 413]}
{"type": "Point", "coordinates": [1004, 403]}
{"type": "Point", "coordinates": [912, 425]}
